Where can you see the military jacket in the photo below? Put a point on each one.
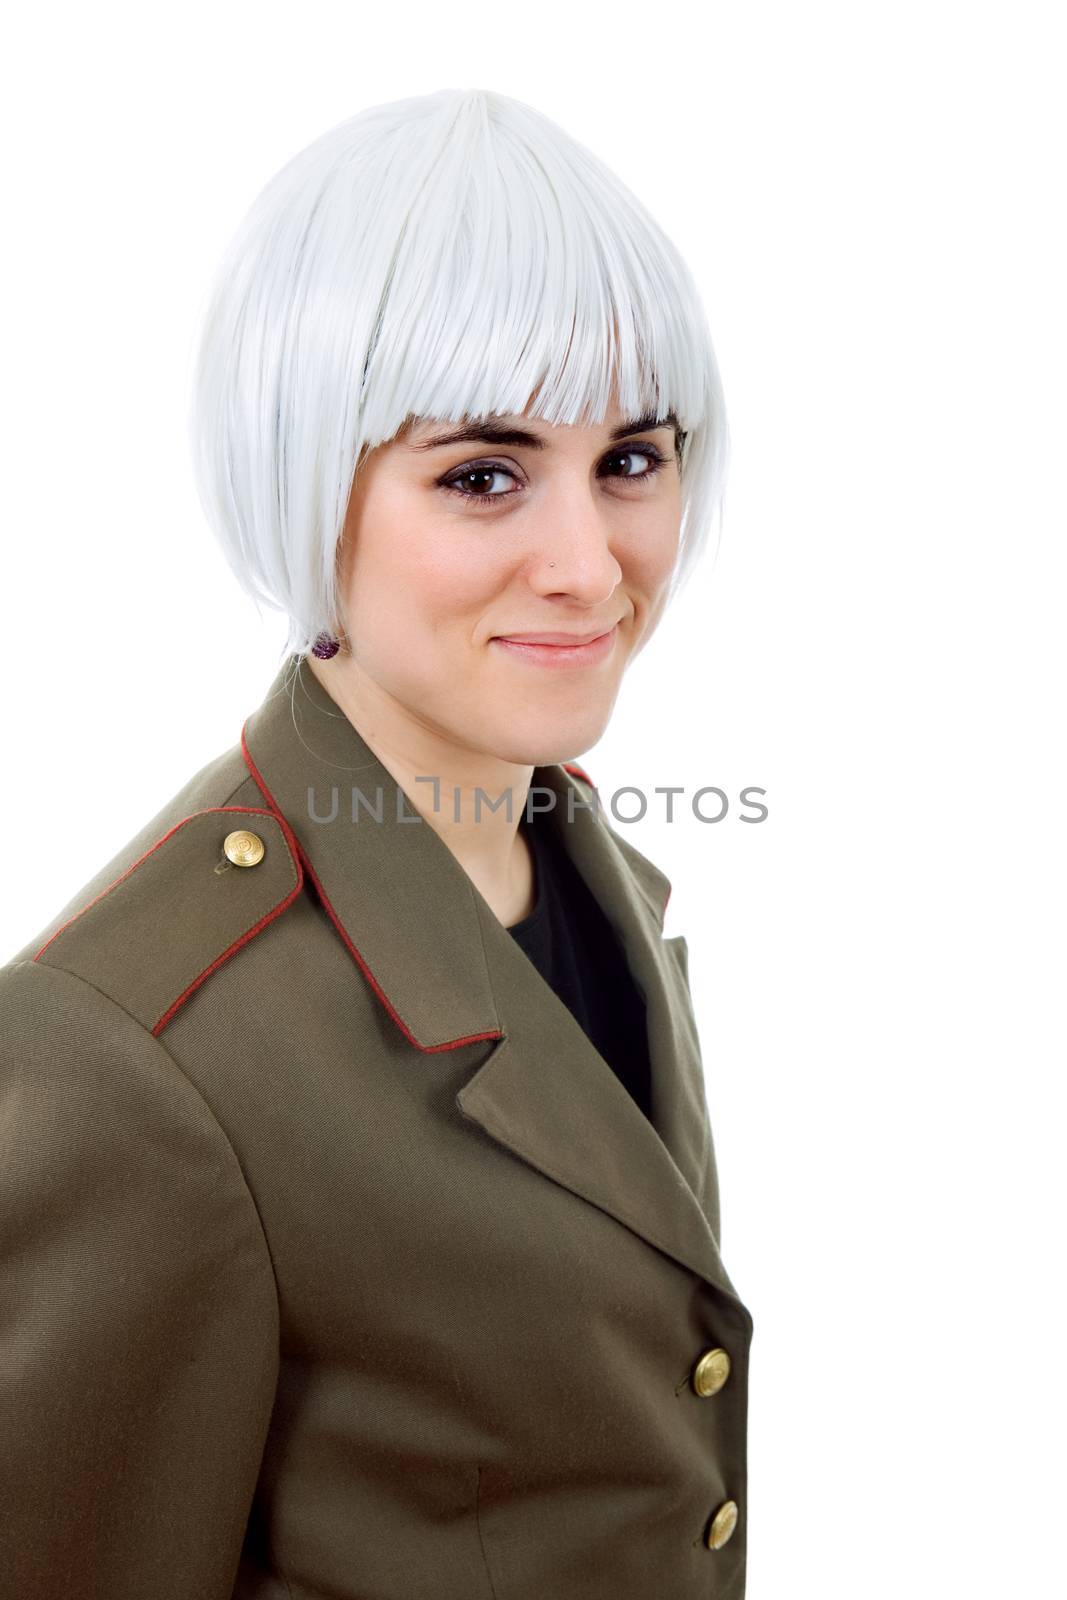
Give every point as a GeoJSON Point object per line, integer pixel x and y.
{"type": "Point", "coordinates": [335, 1261]}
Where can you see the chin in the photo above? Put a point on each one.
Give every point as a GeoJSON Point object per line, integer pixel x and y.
{"type": "Point", "coordinates": [540, 741]}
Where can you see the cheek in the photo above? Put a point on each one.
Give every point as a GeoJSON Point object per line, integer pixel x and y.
{"type": "Point", "coordinates": [413, 575]}
{"type": "Point", "coordinates": [650, 554]}
{"type": "Point", "coordinates": [455, 574]}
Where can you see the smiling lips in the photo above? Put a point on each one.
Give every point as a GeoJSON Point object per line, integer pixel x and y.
{"type": "Point", "coordinates": [559, 649]}
{"type": "Point", "coordinates": [555, 638]}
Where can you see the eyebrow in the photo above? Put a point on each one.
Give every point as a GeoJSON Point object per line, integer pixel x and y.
{"type": "Point", "coordinates": [485, 430]}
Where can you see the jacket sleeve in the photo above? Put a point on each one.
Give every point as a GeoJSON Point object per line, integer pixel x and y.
{"type": "Point", "coordinates": [138, 1311]}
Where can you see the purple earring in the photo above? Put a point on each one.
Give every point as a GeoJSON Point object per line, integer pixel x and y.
{"type": "Point", "coordinates": [325, 646]}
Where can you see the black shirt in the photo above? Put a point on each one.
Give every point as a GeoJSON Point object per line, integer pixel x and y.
{"type": "Point", "coordinates": [574, 947]}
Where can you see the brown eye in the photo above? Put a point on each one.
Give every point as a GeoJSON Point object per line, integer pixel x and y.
{"type": "Point", "coordinates": [469, 481]}
{"type": "Point", "coordinates": [647, 453]}
{"type": "Point", "coordinates": [462, 483]}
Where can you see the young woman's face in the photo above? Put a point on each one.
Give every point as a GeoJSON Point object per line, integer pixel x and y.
{"type": "Point", "coordinates": [453, 546]}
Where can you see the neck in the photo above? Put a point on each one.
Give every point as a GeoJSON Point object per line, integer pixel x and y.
{"type": "Point", "coordinates": [452, 787]}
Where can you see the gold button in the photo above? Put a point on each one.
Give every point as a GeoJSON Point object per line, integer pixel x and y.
{"type": "Point", "coordinates": [244, 849]}
{"type": "Point", "coordinates": [723, 1524]}
{"type": "Point", "coordinates": [711, 1372]}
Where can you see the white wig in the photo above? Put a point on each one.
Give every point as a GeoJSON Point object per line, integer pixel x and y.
{"type": "Point", "coordinates": [438, 257]}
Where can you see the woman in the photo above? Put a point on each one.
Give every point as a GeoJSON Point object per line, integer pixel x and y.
{"type": "Point", "coordinates": [361, 1224]}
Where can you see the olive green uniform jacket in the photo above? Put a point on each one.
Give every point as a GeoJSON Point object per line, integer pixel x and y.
{"type": "Point", "coordinates": [335, 1262]}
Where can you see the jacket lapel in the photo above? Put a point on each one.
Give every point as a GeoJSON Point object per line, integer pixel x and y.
{"type": "Point", "coordinates": [450, 974]}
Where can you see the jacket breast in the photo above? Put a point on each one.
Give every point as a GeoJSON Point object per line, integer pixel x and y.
{"type": "Point", "coordinates": [485, 1381]}
{"type": "Point", "coordinates": [357, 1340]}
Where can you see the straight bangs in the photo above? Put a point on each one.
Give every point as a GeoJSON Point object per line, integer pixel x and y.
{"type": "Point", "coordinates": [447, 257]}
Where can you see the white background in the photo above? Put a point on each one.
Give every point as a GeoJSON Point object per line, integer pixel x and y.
{"type": "Point", "coordinates": [871, 199]}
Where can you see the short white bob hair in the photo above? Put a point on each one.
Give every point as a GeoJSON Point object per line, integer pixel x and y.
{"type": "Point", "coordinates": [438, 257]}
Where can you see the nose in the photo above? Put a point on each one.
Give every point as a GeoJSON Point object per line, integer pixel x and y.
{"type": "Point", "coordinates": [572, 548]}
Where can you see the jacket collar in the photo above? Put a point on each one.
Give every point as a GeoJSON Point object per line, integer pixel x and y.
{"type": "Point", "coordinates": [450, 974]}
{"type": "Point", "coordinates": [392, 888]}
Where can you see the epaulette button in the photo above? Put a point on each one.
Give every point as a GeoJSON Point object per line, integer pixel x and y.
{"type": "Point", "coordinates": [243, 848]}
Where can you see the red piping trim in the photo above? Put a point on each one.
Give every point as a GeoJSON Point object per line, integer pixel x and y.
{"type": "Point", "coordinates": [573, 767]}
{"type": "Point", "coordinates": [428, 1049]}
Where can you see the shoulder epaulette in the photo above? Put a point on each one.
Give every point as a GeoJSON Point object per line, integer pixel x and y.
{"type": "Point", "coordinates": [206, 887]}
